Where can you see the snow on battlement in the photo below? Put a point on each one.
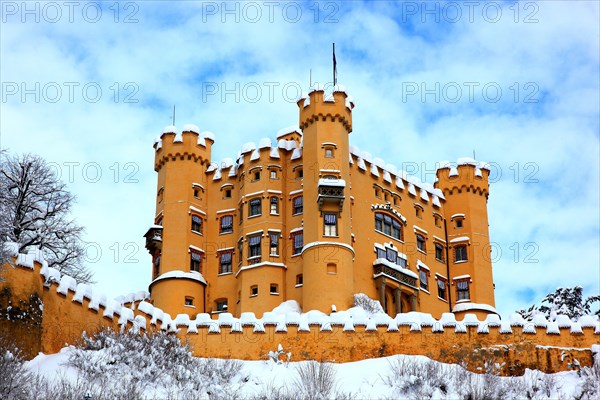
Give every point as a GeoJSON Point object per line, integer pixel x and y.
{"type": "Point", "coordinates": [178, 138]}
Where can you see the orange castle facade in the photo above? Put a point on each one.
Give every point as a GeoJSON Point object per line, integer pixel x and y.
{"type": "Point", "coordinates": [313, 219]}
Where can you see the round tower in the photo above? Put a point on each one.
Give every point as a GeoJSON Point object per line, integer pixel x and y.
{"type": "Point", "coordinates": [177, 238]}
{"type": "Point", "coordinates": [327, 256]}
{"type": "Point", "coordinates": [466, 189]}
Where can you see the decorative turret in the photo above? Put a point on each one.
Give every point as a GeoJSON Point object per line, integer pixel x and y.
{"type": "Point", "coordinates": [328, 256]}
{"type": "Point", "coordinates": [466, 188]}
{"type": "Point", "coordinates": [176, 239]}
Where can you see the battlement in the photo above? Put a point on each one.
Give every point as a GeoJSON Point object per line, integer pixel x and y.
{"type": "Point", "coordinates": [71, 308]}
{"type": "Point", "coordinates": [188, 144]}
{"type": "Point", "coordinates": [335, 106]}
{"type": "Point", "coordinates": [465, 174]}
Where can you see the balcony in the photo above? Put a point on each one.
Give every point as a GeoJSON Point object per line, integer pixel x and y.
{"type": "Point", "coordinates": [331, 191]}
{"type": "Point", "coordinates": [154, 238]}
{"type": "Point", "coordinates": [396, 273]}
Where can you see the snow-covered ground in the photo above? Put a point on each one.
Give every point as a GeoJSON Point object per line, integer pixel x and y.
{"type": "Point", "coordinates": [382, 378]}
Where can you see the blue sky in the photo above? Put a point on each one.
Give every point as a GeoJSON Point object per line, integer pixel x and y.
{"type": "Point", "coordinates": [517, 83]}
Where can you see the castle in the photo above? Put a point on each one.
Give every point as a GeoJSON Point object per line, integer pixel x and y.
{"type": "Point", "coordinates": [311, 218]}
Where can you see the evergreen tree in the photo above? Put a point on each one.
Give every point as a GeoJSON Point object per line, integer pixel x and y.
{"type": "Point", "coordinates": [567, 301]}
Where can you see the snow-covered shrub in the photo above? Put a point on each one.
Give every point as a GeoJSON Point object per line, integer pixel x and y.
{"type": "Point", "coordinates": [590, 387]}
{"type": "Point", "coordinates": [315, 380]}
{"type": "Point", "coordinates": [14, 376]}
{"type": "Point", "coordinates": [417, 379]}
{"type": "Point", "coordinates": [275, 356]}
{"type": "Point", "coordinates": [368, 304]}
{"type": "Point", "coordinates": [152, 360]}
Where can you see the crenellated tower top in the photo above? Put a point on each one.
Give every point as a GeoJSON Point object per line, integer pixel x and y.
{"type": "Point", "coordinates": [190, 143]}
{"type": "Point", "coordinates": [336, 106]}
{"type": "Point", "coordinates": [464, 175]}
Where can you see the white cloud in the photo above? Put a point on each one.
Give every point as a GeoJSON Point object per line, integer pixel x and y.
{"type": "Point", "coordinates": [170, 55]}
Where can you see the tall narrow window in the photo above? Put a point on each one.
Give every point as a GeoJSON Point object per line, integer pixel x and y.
{"type": "Point", "coordinates": [254, 246]}
{"type": "Point", "coordinates": [274, 205]}
{"type": "Point", "coordinates": [421, 243]}
{"type": "Point", "coordinates": [221, 305]}
{"type": "Point", "coordinates": [226, 224]}
{"type": "Point", "coordinates": [298, 205]}
{"type": "Point", "coordinates": [423, 279]}
{"type": "Point", "coordinates": [241, 211]}
{"type": "Point", "coordinates": [273, 174]}
{"type": "Point", "coordinates": [195, 261]}
{"type": "Point", "coordinates": [225, 262]}
{"type": "Point", "coordinates": [442, 289]}
{"type": "Point", "coordinates": [156, 265]}
{"type": "Point", "coordinates": [460, 253]}
{"type": "Point", "coordinates": [439, 252]}
{"type": "Point", "coordinates": [254, 207]}
{"type": "Point", "coordinates": [240, 249]}
{"type": "Point", "coordinates": [330, 221]}
{"type": "Point", "coordinates": [299, 280]}
{"type": "Point", "coordinates": [462, 290]}
{"type": "Point", "coordinates": [274, 244]}
{"type": "Point", "coordinates": [298, 242]}
{"type": "Point", "coordinates": [196, 224]}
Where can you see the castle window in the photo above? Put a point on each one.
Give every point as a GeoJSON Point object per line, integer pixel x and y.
{"type": "Point", "coordinates": [299, 173]}
{"type": "Point", "coordinates": [385, 197]}
{"type": "Point", "coordinates": [221, 305]}
{"type": "Point", "coordinates": [439, 252]}
{"type": "Point", "coordinates": [274, 205]}
{"type": "Point", "coordinates": [160, 194]}
{"type": "Point", "coordinates": [460, 253]}
{"type": "Point", "coordinates": [423, 279]}
{"type": "Point", "coordinates": [419, 211]}
{"type": "Point", "coordinates": [196, 224]}
{"type": "Point", "coordinates": [299, 280]}
{"type": "Point", "coordinates": [240, 246]}
{"type": "Point", "coordinates": [462, 290]}
{"type": "Point", "coordinates": [396, 200]}
{"type": "Point", "coordinates": [377, 193]}
{"type": "Point", "coordinates": [274, 244]}
{"type": "Point", "coordinates": [437, 220]}
{"type": "Point", "coordinates": [196, 193]}
{"type": "Point", "coordinates": [195, 261]}
{"type": "Point", "coordinates": [298, 205]}
{"type": "Point", "coordinates": [241, 212]}
{"type": "Point", "coordinates": [227, 194]}
{"type": "Point", "coordinates": [330, 224]}
{"type": "Point", "coordinates": [254, 246]}
{"type": "Point", "coordinates": [442, 289]}
{"type": "Point", "coordinates": [254, 208]}
{"type": "Point", "coordinates": [189, 302]}
{"type": "Point", "coordinates": [297, 242]}
{"type": "Point", "coordinates": [273, 174]}
{"type": "Point", "coordinates": [391, 255]}
{"type": "Point", "coordinates": [157, 265]}
{"type": "Point", "coordinates": [274, 289]}
{"type": "Point", "coordinates": [225, 259]}
{"type": "Point", "coordinates": [329, 152]}
{"type": "Point", "coordinates": [421, 243]}
{"type": "Point", "coordinates": [388, 225]}
{"type": "Point", "coordinates": [459, 223]}
{"type": "Point", "coordinates": [253, 291]}
{"type": "Point", "coordinates": [226, 224]}
{"type": "Point", "coordinates": [331, 268]}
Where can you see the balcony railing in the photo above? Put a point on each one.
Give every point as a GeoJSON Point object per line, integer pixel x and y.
{"type": "Point", "coordinates": [396, 275]}
{"type": "Point", "coordinates": [154, 238]}
{"type": "Point", "coordinates": [331, 190]}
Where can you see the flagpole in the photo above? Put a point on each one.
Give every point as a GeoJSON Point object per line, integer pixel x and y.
{"type": "Point", "coordinates": [334, 67]}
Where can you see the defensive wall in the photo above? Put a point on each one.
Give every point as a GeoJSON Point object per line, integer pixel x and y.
{"type": "Point", "coordinates": [43, 311]}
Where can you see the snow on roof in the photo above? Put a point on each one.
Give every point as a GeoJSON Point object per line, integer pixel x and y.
{"type": "Point", "coordinates": [332, 182]}
{"type": "Point", "coordinates": [411, 189]}
{"type": "Point", "coordinates": [169, 129]}
{"type": "Point", "coordinates": [255, 155]}
{"type": "Point", "coordinates": [248, 147]}
{"type": "Point", "coordinates": [208, 135]}
{"type": "Point", "coordinates": [395, 267]}
{"type": "Point", "coordinates": [436, 201]}
{"type": "Point", "coordinates": [288, 129]}
{"type": "Point", "coordinates": [466, 276]}
{"type": "Point", "coordinates": [191, 128]}
{"type": "Point", "coordinates": [274, 153]}
{"type": "Point", "coordinates": [287, 144]}
{"type": "Point", "coordinates": [192, 275]}
{"type": "Point", "coordinates": [460, 239]}
{"type": "Point", "coordinates": [424, 195]}
{"type": "Point", "coordinates": [472, 306]}
{"type": "Point", "coordinates": [374, 170]}
{"type": "Point", "coordinates": [361, 164]}
{"type": "Point", "coordinates": [226, 163]}
{"type": "Point", "coordinates": [66, 283]}
{"type": "Point", "coordinates": [457, 216]}
{"type": "Point", "coordinates": [296, 154]}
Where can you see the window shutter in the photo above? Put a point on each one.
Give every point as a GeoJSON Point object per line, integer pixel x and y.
{"type": "Point", "coordinates": [196, 256]}
{"type": "Point", "coordinates": [298, 240]}
{"type": "Point", "coordinates": [255, 202]}
{"type": "Point", "coordinates": [254, 240]}
{"type": "Point", "coordinates": [330, 219]}
{"type": "Point", "coordinates": [274, 239]}
{"type": "Point", "coordinates": [462, 285]}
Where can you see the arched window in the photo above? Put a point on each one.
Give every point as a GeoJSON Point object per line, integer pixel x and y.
{"type": "Point", "coordinates": [389, 225]}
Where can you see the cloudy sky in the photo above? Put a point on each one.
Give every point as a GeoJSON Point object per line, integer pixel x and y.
{"type": "Point", "coordinates": [89, 85]}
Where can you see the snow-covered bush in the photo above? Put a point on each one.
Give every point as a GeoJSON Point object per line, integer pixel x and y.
{"type": "Point", "coordinates": [590, 387]}
{"type": "Point", "coordinates": [14, 376]}
{"type": "Point", "coordinates": [419, 380]}
{"type": "Point", "coordinates": [315, 380]}
{"type": "Point", "coordinates": [368, 304]}
{"type": "Point", "coordinates": [152, 359]}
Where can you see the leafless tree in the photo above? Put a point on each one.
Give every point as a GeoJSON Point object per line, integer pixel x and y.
{"type": "Point", "coordinates": [36, 213]}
